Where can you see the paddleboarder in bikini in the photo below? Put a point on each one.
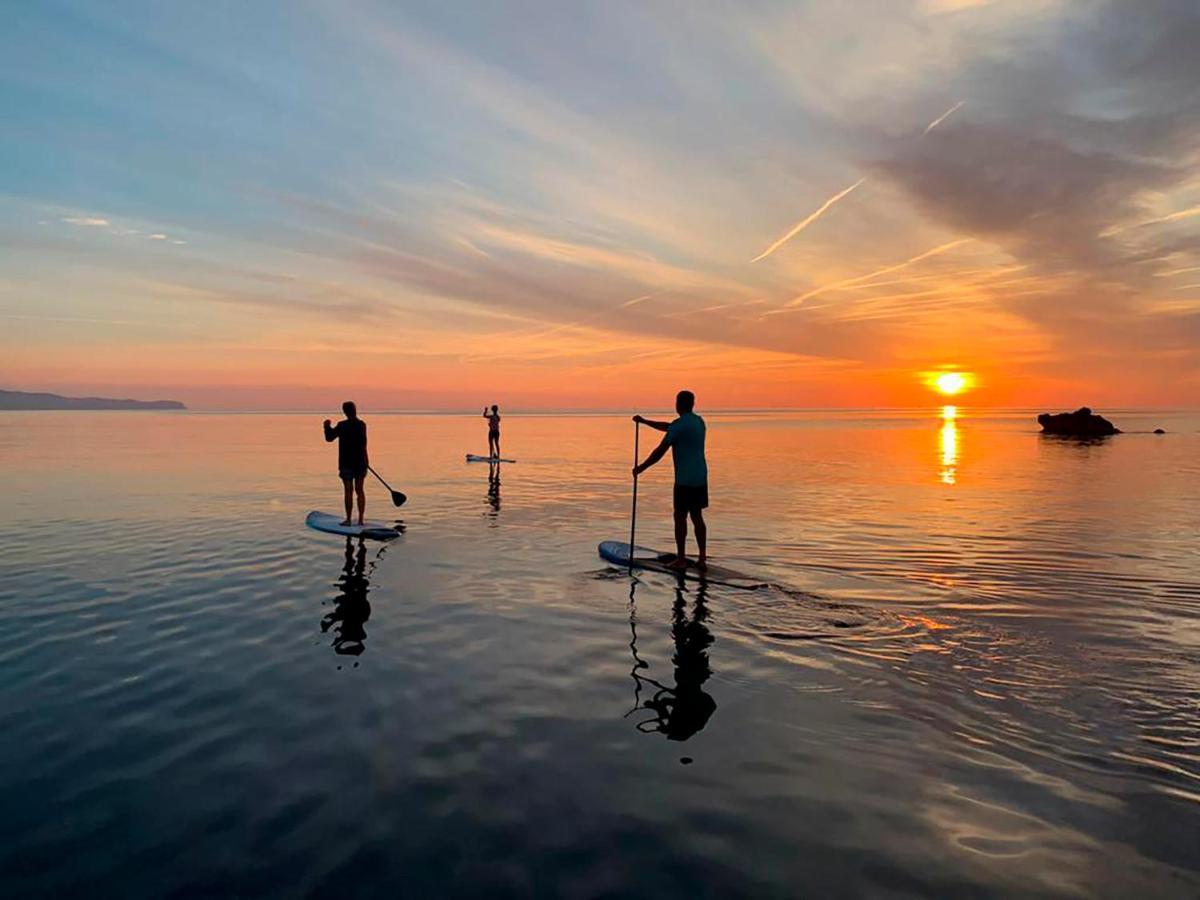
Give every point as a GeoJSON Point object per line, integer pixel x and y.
{"type": "Point", "coordinates": [493, 418]}
{"type": "Point", "coordinates": [351, 435]}
{"type": "Point", "coordinates": [685, 438]}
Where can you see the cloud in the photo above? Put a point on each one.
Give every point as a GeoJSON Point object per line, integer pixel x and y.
{"type": "Point", "coordinates": [807, 220]}
{"type": "Point", "coordinates": [87, 221]}
{"type": "Point", "coordinates": [870, 276]}
{"type": "Point", "coordinates": [943, 117]}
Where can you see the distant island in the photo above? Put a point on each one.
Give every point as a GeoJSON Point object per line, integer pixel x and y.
{"type": "Point", "coordinates": [23, 400]}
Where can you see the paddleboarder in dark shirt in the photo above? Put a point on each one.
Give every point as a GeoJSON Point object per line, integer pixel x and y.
{"type": "Point", "coordinates": [685, 438]}
{"type": "Point", "coordinates": [493, 418]}
{"type": "Point", "coordinates": [351, 435]}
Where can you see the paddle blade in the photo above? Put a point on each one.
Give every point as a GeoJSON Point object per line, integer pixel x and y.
{"type": "Point", "coordinates": [398, 498]}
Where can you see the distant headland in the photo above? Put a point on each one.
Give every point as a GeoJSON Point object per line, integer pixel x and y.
{"type": "Point", "coordinates": [22, 400]}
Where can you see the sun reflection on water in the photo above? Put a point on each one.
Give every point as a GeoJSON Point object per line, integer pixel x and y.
{"type": "Point", "coordinates": [948, 443]}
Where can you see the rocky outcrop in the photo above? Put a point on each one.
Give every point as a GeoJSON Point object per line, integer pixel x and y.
{"type": "Point", "coordinates": [1081, 423]}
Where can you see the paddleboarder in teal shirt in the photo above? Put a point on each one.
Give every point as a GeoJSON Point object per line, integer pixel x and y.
{"type": "Point", "coordinates": [685, 438]}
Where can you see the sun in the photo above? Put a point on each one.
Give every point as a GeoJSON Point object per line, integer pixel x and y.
{"type": "Point", "coordinates": [949, 383]}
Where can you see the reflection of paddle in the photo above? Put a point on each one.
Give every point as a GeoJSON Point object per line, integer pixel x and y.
{"type": "Point", "coordinates": [397, 497]}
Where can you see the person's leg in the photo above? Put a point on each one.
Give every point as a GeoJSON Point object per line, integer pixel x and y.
{"type": "Point", "coordinates": [681, 518]}
{"type": "Point", "coordinates": [497, 453]}
{"type": "Point", "coordinates": [360, 489]}
{"type": "Point", "coordinates": [348, 484]}
{"type": "Point", "coordinates": [701, 537]}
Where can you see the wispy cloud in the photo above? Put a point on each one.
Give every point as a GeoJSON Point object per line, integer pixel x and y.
{"type": "Point", "coordinates": [870, 276]}
{"type": "Point", "coordinates": [807, 220]}
{"type": "Point", "coordinates": [87, 221]}
{"type": "Point", "coordinates": [943, 117]}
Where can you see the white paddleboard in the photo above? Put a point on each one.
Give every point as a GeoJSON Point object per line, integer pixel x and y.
{"type": "Point", "coordinates": [471, 457]}
{"type": "Point", "coordinates": [617, 552]}
{"type": "Point", "coordinates": [328, 522]}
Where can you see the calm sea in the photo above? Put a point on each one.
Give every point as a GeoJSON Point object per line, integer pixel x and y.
{"type": "Point", "coordinates": [978, 672]}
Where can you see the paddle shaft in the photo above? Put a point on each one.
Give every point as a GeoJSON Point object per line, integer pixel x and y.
{"type": "Point", "coordinates": [380, 477]}
{"type": "Point", "coordinates": [633, 513]}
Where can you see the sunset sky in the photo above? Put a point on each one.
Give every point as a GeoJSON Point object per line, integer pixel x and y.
{"type": "Point", "coordinates": [548, 204]}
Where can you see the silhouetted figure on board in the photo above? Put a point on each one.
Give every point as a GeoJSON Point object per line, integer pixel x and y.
{"type": "Point", "coordinates": [351, 435]}
{"type": "Point", "coordinates": [351, 608]}
{"type": "Point", "coordinates": [493, 419]}
{"type": "Point", "coordinates": [685, 438]}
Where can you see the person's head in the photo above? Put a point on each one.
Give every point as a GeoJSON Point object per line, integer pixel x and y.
{"type": "Point", "coordinates": [350, 409]}
{"type": "Point", "coordinates": [685, 402]}
{"type": "Point", "coordinates": [495, 408]}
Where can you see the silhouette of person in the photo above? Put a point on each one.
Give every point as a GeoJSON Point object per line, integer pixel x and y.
{"type": "Point", "coordinates": [351, 435]}
{"type": "Point", "coordinates": [685, 438]}
{"type": "Point", "coordinates": [351, 608]}
{"type": "Point", "coordinates": [493, 418]}
{"type": "Point", "coordinates": [684, 710]}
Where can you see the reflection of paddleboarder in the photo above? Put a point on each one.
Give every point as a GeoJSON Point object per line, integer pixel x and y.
{"type": "Point", "coordinates": [681, 711]}
{"type": "Point", "coordinates": [493, 494]}
{"type": "Point", "coordinates": [351, 435]}
{"type": "Point", "coordinates": [351, 608]}
{"type": "Point", "coordinates": [685, 438]}
{"type": "Point", "coordinates": [493, 418]}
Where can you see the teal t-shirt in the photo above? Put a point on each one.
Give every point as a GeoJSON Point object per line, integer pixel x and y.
{"type": "Point", "coordinates": [685, 437]}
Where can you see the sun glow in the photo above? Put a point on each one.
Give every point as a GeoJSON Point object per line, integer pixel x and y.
{"type": "Point", "coordinates": [949, 383]}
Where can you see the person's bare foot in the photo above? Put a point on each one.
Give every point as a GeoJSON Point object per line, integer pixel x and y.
{"type": "Point", "coordinates": [702, 563]}
{"type": "Point", "coordinates": [679, 563]}
{"type": "Point", "coordinates": [360, 522]}
{"type": "Point", "coordinates": [345, 522]}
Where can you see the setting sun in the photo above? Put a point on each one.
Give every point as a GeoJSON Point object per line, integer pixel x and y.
{"type": "Point", "coordinates": [950, 383]}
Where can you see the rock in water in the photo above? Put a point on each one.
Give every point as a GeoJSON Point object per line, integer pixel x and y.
{"type": "Point", "coordinates": [1081, 423]}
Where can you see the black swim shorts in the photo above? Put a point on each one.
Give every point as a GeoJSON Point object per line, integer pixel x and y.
{"type": "Point", "coordinates": [347, 474]}
{"type": "Point", "coordinates": [691, 497]}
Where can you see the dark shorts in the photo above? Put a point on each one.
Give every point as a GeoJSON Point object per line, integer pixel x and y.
{"type": "Point", "coordinates": [691, 498]}
{"type": "Point", "coordinates": [348, 474]}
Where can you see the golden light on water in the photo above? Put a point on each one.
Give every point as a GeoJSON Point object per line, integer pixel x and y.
{"type": "Point", "coordinates": [948, 444]}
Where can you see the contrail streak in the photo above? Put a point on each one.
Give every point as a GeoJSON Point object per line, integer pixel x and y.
{"type": "Point", "coordinates": [808, 220]}
{"type": "Point", "coordinates": [859, 279]}
{"type": "Point", "coordinates": [943, 117]}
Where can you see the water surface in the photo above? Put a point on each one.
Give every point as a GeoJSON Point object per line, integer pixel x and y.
{"type": "Point", "coordinates": [978, 673]}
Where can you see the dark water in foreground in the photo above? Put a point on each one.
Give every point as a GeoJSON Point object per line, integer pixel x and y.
{"type": "Point", "coordinates": [982, 677]}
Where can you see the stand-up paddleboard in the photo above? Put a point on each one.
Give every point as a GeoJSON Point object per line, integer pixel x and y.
{"type": "Point", "coordinates": [328, 522]}
{"type": "Point", "coordinates": [617, 552]}
{"type": "Point", "coordinates": [471, 457]}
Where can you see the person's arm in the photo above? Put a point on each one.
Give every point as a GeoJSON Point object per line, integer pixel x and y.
{"type": "Point", "coordinates": [331, 433]}
{"type": "Point", "coordinates": [655, 455]}
{"type": "Point", "coordinates": [650, 423]}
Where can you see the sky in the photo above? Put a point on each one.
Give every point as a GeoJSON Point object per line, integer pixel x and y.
{"type": "Point", "coordinates": [591, 205]}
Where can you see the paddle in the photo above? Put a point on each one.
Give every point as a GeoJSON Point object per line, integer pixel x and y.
{"type": "Point", "coordinates": [397, 497]}
{"type": "Point", "coordinates": [633, 513]}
